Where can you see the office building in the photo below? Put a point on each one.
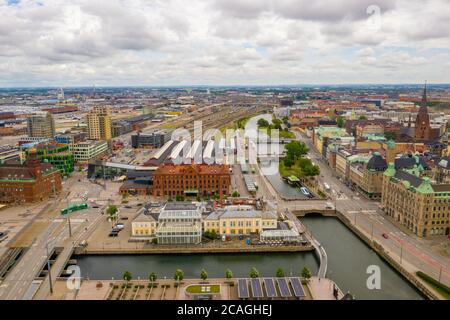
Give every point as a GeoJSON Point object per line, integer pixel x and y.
{"type": "Point", "coordinates": [99, 124]}
{"type": "Point", "coordinates": [239, 220]}
{"type": "Point", "coordinates": [155, 139]}
{"type": "Point", "coordinates": [416, 203]}
{"type": "Point", "coordinates": [191, 180]}
{"type": "Point", "coordinates": [41, 126]}
{"type": "Point", "coordinates": [29, 182]}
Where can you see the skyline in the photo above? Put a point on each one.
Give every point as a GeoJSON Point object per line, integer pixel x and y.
{"type": "Point", "coordinates": [223, 43]}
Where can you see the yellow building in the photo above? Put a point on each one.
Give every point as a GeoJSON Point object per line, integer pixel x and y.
{"type": "Point", "coordinates": [414, 202]}
{"type": "Point", "coordinates": [143, 226]}
{"type": "Point", "coordinates": [240, 220]}
{"type": "Point", "coordinates": [99, 124]}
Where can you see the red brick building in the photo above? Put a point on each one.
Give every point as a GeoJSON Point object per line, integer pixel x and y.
{"type": "Point", "coordinates": [191, 180]}
{"type": "Point", "coordinates": [29, 182]}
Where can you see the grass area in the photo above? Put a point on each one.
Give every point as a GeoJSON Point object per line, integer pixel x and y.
{"type": "Point", "coordinates": [286, 134]}
{"type": "Point", "coordinates": [242, 122]}
{"type": "Point", "coordinates": [198, 289]}
{"type": "Point", "coordinates": [436, 285]}
{"type": "Point", "coordinates": [168, 126]}
{"type": "Point", "coordinates": [231, 126]}
{"type": "Point", "coordinates": [289, 171]}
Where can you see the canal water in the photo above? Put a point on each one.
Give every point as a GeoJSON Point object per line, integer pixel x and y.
{"type": "Point", "coordinates": [348, 260]}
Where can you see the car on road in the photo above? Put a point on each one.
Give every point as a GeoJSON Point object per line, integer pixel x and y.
{"type": "Point", "coordinates": [385, 236]}
{"type": "Point", "coordinates": [124, 218]}
{"type": "Point", "coordinates": [128, 207]}
{"type": "Point", "coordinates": [119, 226]}
{"type": "Point", "coordinates": [113, 234]}
{"type": "Point", "coordinates": [329, 205]}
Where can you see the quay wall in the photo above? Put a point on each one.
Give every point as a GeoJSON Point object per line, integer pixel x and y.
{"type": "Point", "coordinates": [378, 248]}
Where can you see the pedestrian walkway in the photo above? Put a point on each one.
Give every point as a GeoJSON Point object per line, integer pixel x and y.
{"type": "Point", "coordinates": [322, 289]}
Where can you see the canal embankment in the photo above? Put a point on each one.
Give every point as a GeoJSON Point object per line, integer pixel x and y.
{"type": "Point", "coordinates": [192, 249]}
{"type": "Point", "coordinates": [408, 275]}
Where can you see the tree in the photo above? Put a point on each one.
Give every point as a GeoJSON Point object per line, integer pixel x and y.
{"type": "Point", "coordinates": [179, 275]}
{"type": "Point", "coordinates": [228, 274]}
{"type": "Point", "coordinates": [288, 162]}
{"type": "Point", "coordinates": [306, 273]}
{"type": "Point", "coordinates": [111, 211]}
{"type": "Point", "coordinates": [254, 273]}
{"type": "Point", "coordinates": [296, 149]}
{"type": "Point", "coordinates": [179, 197]}
{"type": "Point", "coordinates": [286, 121]}
{"type": "Point", "coordinates": [127, 276]}
{"type": "Point", "coordinates": [152, 277]}
{"type": "Point", "coordinates": [235, 194]}
{"type": "Point", "coordinates": [280, 273]}
{"type": "Point", "coordinates": [340, 121]}
{"type": "Point", "coordinates": [203, 275]}
{"type": "Point", "coordinates": [362, 117]}
{"type": "Point", "coordinates": [263, 123]}
{"type": "Point", "coordinates": [213, 234]}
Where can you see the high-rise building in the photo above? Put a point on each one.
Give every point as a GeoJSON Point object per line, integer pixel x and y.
{"type": "Point", "coordinates": [41, 126]}
{"type": "Point", "coordinates": [99, 124]}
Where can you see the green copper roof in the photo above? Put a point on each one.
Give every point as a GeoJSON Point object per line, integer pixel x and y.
{"type": "Point", "coordinates": [391, 144]}
{"type": "Point", "coordinates": [425, 186]}
{"type": "Point", "coordinates": [390, 171]}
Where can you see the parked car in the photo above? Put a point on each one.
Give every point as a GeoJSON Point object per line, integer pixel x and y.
{"type": "Point", "coordinates": [128, 207]}
{"type": "Point", "coordinates": [113, 234]}
{"type": "Point", "coordinates": [119, 226]}
{"type": "Point", "coordinates": [385, 236]}
{"type": "Point", "coordinates": [124, 218]}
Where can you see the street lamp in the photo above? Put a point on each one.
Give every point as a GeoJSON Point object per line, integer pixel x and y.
{"type": "Point", "coordinates": [401, 253]}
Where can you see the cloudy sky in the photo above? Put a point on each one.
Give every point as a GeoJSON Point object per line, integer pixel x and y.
{"type": "Point", "coordinates": [223, 42]}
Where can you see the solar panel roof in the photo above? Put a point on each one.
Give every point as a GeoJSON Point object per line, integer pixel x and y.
{"type": "Point", "coordinates": [256, 288]}
{"type": "Point", "coordinates": [284, 288]}
{"type": "Point", "coordinates": [243, 289]}
{"type": "Point", "coordinates": [298, 288]}
{"type": "Point", "coordinates": [269, 285]}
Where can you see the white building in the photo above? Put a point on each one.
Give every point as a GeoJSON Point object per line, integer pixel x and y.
{"type": "Point", "coordinates": [88, 150]}
{"type": "Point", "coordinates": [180, 223]}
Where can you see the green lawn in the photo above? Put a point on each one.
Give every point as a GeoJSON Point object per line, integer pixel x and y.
{"type": "Point", "coordinates": [287, 172]}
{"type": "Point", "coordinates": [214, 288]}
{"type": "Point", "coordinates": [436, 285]}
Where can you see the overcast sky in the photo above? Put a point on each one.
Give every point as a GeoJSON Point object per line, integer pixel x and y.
{"type": "Point", "coordinates": [223, 42]}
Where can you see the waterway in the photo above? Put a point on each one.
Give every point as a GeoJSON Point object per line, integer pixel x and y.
{"type": "Point", "coordinates": [348, 259]}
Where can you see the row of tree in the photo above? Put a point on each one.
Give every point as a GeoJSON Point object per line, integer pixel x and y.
{"type": "Point", "coordinates": [179, 274]}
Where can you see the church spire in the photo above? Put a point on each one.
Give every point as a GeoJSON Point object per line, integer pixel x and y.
{"type": "Point", "coordinates": [423, 107]}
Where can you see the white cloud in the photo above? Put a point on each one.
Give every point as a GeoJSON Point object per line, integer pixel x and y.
{"type": "Point", "coordinates": [172, 42]}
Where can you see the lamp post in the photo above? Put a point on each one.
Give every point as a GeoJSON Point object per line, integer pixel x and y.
{"type": "Point", "coordinates": [48, 265]}
{"type": "Point", "coordinates": [401, 253]}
